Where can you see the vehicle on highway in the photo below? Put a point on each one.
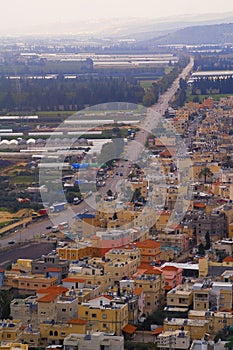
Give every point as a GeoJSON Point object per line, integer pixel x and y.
{"type": "Point", "coordinates": [11, 242]}
{"type": "Point", "coordinates": [48, 227]}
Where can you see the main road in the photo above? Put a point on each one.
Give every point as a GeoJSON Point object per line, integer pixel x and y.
{"type": "Point", "coordinates": [131, 153]}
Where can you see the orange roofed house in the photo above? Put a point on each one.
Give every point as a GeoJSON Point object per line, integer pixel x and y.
{"type": "Point", "coordinates": [149, 250]}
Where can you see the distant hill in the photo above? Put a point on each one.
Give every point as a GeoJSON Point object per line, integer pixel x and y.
{"type": "Point", "coordinates": [203, 34]}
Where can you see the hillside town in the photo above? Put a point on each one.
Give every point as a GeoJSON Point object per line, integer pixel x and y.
{"type": "Point", "coordinates": [128, 273]}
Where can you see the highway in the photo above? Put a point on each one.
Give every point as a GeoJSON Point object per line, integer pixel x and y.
{"type": "Point", "coordinates": [131, 154]}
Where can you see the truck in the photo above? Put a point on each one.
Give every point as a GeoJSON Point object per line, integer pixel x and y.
{"type": "Point", "coordinates": [39, 214]}
{"type": "Point", "coordinates": [63, 225]}
{"type": "Point", "coordinates": [43, 212]}
{"type": "Point", "coordinates": [57, 207]}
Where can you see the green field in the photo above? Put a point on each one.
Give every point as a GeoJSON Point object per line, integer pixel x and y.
{"type": "Point", "coordinates": [146, 83]}
{"type": "Point", "coordinates": [23, 179]}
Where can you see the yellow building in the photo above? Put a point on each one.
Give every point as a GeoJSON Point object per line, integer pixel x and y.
{"type": "Point", "coordinates": [52, 333]}
{"type": "Point", "coordinates": [14, 346]}
{"type": "Point", "coordinates": [197, 328]}
{"type": "Point", "coordinates": [152, 282]}
{"type": "Point", "coordinates": [198, 167]}
{"type": "Point", "coordinates": [230, 230]}
{"type": "Point", "coordinates": [22, 265]}
{"type": "Point", "coordinates": [200, 297]}
{"type": "Point", "coordinates": [203, 267]}
{"type": "Point", "coordinates": [142, 185]}
{"type": "Point", "coordinates": [104, 314]}
{"type": "Point", "coordinates": [74, 253]}
{"type": "Point", "coordinates": [162, 220]}
{"type": "Point", "coordinates": [28, 283]}
{"type": "Point", "coordinates": [217, 320]}
{"type": "Point", "coordinates": [180, 297]}
{"type": "Point", "coordinates": [10, 330]}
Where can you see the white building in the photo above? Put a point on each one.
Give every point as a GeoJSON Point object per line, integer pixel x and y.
{"type": "Point", "coordinates": [174, 340]}
{"type": "Point", "coordinates": [94, 341]}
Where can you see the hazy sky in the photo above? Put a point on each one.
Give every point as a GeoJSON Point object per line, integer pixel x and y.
{"type": "Point", "coordinates": [24, 13]}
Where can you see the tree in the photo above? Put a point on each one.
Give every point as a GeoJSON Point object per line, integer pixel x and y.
{"type": "Point", "coordinates": [201, 249]}
{"type": "Point", "coordinates": [115, 217]}
{"type": "Point", "coordinates": [206, 173]}
{"type": "Point", "coordinates": [109, 193]}
{"type": "Point", "coordinates": [136, 195]}
{"type": "Point", "coordinates": [5, 299]}
{"type": "Point", "coordinates": [207, 240]}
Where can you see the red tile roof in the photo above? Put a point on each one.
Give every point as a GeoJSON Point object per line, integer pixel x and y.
{"type": "Point", "coordinates": [228, 259]}
{"type": "Point", "coordinates": [148, 244]}
{"type": "Point", "coordinates": [53, 269]}
{"type": "Point", "coordinates": [73, 279]}
{"type": "Point", "coordinates": [157, 330]}
{"type": "Point", "coordinates": [129, 328]}
{"type": "Point", "coordinates": [53, 289]}
{"type": "Point", "coordinates": [47, 298]}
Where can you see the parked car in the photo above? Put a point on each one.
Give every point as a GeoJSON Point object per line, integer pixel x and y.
{"type": "Point", "coordinates": [11, 242]}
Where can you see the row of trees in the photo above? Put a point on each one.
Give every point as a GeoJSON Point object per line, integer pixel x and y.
{"type": "Point", "coordinates": [207, 86]}
{"type": "Point", "coordinates": [152, 94]}
{"type": "Point", "coordinates": [56, 94]}
{"type": "Point", "coordinates": [213, 62]}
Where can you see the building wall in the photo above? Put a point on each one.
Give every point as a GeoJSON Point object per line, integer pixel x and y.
{"type": "Point", "coordinates": [106, 319]}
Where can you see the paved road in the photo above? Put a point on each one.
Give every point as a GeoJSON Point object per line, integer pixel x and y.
{"type": "Point", "coordinates": [29, 251]}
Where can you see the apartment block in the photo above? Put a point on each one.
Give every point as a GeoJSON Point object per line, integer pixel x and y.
{"type": "Point", "coordinates": [94, 341]}
{"type": "Point", "coordinates": [173, 340]}
{"type": "Point", "coordinates": [152, 283]}
{"type": "Point", "coordinates": [197, 328]}
{"type": "Point", "coordinates": [180, 297]}
{"type": "Point", "coordinates": [104, 314]}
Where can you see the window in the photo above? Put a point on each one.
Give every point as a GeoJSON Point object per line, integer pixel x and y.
{"type": "Point", "coordinates": [93, 315]}
{"type": "Point", "coordinates": [63, 310]}
{"type": "Point", "coordinates": [104, 316]}
{"type": "Point", "coordinates": [86, 313]}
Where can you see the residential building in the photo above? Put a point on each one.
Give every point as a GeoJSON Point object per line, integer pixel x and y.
{"type": "Point", "coordinates": [173, 340]}
{"type": "Point", "coordinates": [104, 314]}
{"type": "Point", "coordinates": [149, 251]}
{"type": "Point", "coordinates": [13, 346]}
{"type": "Point", "coordinates": [151, 280]}
{"type": "Point", "coordinates": [172, 277]}
{"type": "Point", "coordinates": [55, 333]}
{"type": "Point", "coordinates": [200, 297]}
{"type": "Point", "coordinates": [217, 320]}
{"type": "Point", "coordinates": [10, 330]}
{"type": "Point", "coordinates": [180, 297]}
{"type": "Point", "coordinates": [197, 328]}
{"type": "Point", "coordinates": [94, 341]}
{"type": "Point", "coordinates": [47, 263]}
{"type": "Point", "coordinates": [28, 283]}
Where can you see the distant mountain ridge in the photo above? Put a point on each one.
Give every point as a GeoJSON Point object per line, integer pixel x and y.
{"type": "Point", "coordinates": [197, 35]}
{"type": "Point", "coordinates": [171, 29]}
